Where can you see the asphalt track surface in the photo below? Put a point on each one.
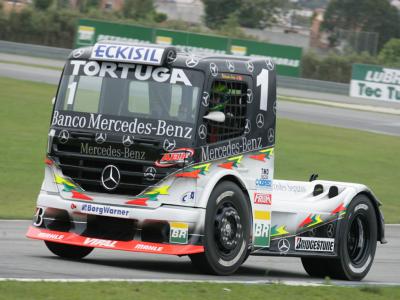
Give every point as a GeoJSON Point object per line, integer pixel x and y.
{"type": "Point", "coordinates": [21, 258]}
{"type": "Point", "coordinates": [318, 114]}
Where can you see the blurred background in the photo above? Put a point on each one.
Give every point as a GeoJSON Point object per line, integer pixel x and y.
{"type": "Point", "coordinates": [338, 86]}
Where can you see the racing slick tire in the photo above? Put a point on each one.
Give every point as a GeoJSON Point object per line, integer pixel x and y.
{"type": "Point", "coordinates": [357, 245]}
{"type": "Point", "coordinates": [226, 232]}
{"type": "Point", "coordinates": [68, 251]}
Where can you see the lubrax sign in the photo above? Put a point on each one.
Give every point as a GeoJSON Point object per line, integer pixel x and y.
{"type": "Point", "coordinates": [375, 82]}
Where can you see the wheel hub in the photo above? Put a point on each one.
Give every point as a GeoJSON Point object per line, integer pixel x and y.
{"type": "Point", "coordinates": [357, 239]}
{"type": "Point", "coordinates": [228, 228]}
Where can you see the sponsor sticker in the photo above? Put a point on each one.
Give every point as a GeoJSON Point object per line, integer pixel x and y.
{"type": "Point", "coordinates": [126, 53]}
{"type": "Point", "coordinates": [189, 197]}
{"type": "Point", "coordinates": [231, 77]}
{"type": "Point", "coordinates": [104, 210]}
{"type": "Point", "coordinates": [86, 33]}
{"type": "Point", "coordinates": [287, 187]}
{"type": "Point", "coordinates": [148, 248]}
{"type": "Point", "coordinates": [314, 244]}
{"type": "Point", "coordinates": [230, 148]}
{"type": "Point", "coordinates": [163, 40]}
{"type": "Point", "coordinates": [122, 125]}
{"type": "Point", "coordinates": [50, 236]}
{"type": "Point", "coordinates": [238, 50]}
{"type": "Point", "coordinates": [129, 71]}
{"type": "Point", "coordinates": [99, 243]}
{"type": "Point", "coordinates": [262, 228]}
{"type": "Point", "coordinates": [262, 198]}
{"type": "Point", "coordinates": [264, 183]}
{"type": "Point", "coordinates": [176, 156]}
{"type": "Point", "coordinates": [264, 173]}
{"type": "Point", "coordinates": [179, 233]}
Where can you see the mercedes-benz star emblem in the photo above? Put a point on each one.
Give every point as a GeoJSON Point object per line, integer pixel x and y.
{"type": "Point", "coordinates": [283, 246]}
{"type": "Point", "coordinates": [100, 138]}
{"type": "Point", "coordinates": [171, 56]}
{"type": "Point", "coordinates": [169, 145]}
{"type": "Point", "coordinates": [202, 131]}
{"type": "Point", "coordinates": [271, 135]}
{"type": "Point", "coordinates": [150, 173]}
{"type": "Point", "coordinates": [78, 53]}
{"type": "Point", "coordinates": [247, 127]}
{"type": "Point", "coordinates": [127, 140]}
{"type": "Point", "coordinates": [213, 69]}
{"type": "Point", "coordinates": [230, 66]}
{"type": "Point", "coordinates": [206, 99]}
{"type": "Point", "coordinates": [63, 136]}
{"type": "Point", "coordinates": [110, 177]}
{"type": "Point", "coordinates": [192, 61]}
{"type": "Point", "coordinates": [260, 120]}
{"type": "Point", "coordinates": [250, 67]}
{"type": "Point", "coordinates": [330, 230]}
{"type": "Point", "coordinates": [249, 96]}
{"type": "Point", "coordinates": [270, 64]}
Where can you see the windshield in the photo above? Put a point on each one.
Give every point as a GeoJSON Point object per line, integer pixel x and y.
{"type": "Point", "coordinates": [127, 98]}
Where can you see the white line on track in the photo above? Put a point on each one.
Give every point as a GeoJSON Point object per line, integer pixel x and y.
{"type": "Point", "coordinates": [254, 282]}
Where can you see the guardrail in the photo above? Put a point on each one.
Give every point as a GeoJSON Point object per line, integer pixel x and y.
{"type": "Point", "coordinates": [283, 81]}
{"type": "Point", "coordinates": [34, 50]}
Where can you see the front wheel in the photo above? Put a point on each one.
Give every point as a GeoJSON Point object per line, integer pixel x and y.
{"type": "Point", "coordinates": [68, 251]}
{"type": "Point", "coordinates": [357, 245]}
{"type": "Point", "coordinates": [226, 232]}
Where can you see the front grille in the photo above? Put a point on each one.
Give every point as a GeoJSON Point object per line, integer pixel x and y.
{"type": "Point", "coordinates": [110, 228]}
{"type": "Point", "coordinates": [86, 170]}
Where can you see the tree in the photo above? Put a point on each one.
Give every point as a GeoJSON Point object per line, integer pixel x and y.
{"type": "Point", "coordinates": [217, 11]}
{"type": "Point", "coordinates": [363, 15]}
{"type": "Point", "coordinates": [390, 53]}
{"type": "Point", "coordinates": [249, 13]}
{"type": "Point", "coordinates": [42, 4]}
{"type": "Point", "coordinates": [138, 9]}
{"type": "Point", "coordinates": [258, 13]}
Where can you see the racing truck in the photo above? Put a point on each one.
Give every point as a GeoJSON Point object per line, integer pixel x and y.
{"type": "Point", "coordinates": [153, 149]}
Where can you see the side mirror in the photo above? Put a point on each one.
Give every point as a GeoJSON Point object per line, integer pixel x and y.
{"type": "Point", "coordinates": [53, 100]}
{"type": "Point", "coordinates": [215, 116]}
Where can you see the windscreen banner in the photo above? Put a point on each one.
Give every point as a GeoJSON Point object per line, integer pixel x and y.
{"type": "Point", "coordinates": [287, 58]}
{"type": "Point", "coordinates": [375, 82]}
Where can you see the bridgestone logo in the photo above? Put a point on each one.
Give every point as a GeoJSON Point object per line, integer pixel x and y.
{"type": "Point", "coordinates": [314, 244]}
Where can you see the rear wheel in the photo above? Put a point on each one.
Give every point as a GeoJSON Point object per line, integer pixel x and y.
{"type": "Point", "coordinates": [226, 232]}
{"type": "Point", "coordinates": [357, 245]}
{"type": "Point", "coordinates": [68, 251]}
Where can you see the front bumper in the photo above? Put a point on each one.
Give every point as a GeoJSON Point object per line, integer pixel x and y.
{"type": "Point", "coordinates": [167, 229]}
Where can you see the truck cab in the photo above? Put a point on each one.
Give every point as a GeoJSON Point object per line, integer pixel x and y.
{"type": "Point", "coordinates": [155, 150]}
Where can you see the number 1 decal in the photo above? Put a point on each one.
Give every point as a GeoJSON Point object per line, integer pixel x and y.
{"type": "Point", "coordinates": [262, 80]}
{"type": "Point", "coordinates": [71, 94]}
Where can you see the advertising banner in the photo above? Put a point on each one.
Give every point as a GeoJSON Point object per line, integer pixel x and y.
{"type": "Point", "coordinates": [375, 82]}
{"type": "Point", "coordinates": [287, 58]}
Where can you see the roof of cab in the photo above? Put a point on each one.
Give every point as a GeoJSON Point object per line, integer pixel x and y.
{"type": "Point", "coordinates": [176, 57]}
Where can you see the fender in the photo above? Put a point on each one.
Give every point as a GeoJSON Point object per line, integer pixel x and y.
{"type": "Point", "coordinates": [360, 189]}
{"type": "Point", "coordinates": [214, 180]}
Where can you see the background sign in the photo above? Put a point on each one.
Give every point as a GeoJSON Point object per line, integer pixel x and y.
{"type": "Point", "coordinates": [375, 82]}
{"type": "Point", "coordinates": [287, 58]}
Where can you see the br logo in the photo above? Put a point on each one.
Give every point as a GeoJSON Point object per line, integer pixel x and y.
{"type": "Point", "coordinates": [178, 233]}
{"type": "Point", "coordinates": [261, 234]}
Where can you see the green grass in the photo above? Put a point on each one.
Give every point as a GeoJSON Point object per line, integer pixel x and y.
{"type": "Point", "coordinates": [189, 291]}
{"type": "Point", "coordinates": [302, 149]}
